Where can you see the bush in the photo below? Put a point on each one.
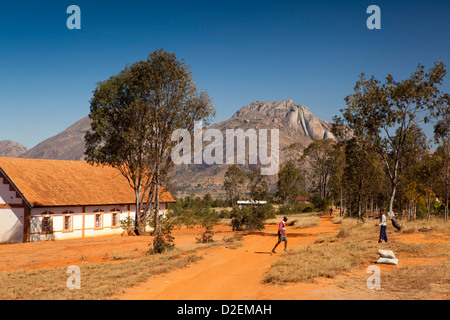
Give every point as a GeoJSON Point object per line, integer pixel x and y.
{"type": "Point", "coordinates": [251, 217]}
{"type": "Point", "coordinates": [163, 240]}
{"type": "Point", "coordinates": [187, 218]}
{"type": "Point", "coordinates": [208, 220]}
{"type": "Point", "coordinates": [238, 218]}
{"type": "Point", "coordinates": [224, 214]}
{"type": "Point", "coordinates": [206, 236]}
{"type": "Point", "coordinates": [321, 204]}
{"type": "Point", "coordinates": [127, 226]}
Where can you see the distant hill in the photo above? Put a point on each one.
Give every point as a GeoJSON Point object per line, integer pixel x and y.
{"type": "Point", "coordinates": [296, 123]}
{"type": "Point", "coordinates": [67, 145]}
{"type": "Point", "coordinates": [11, 149]}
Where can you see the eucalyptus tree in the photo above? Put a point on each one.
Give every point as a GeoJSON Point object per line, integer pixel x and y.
{"type": "Point", "coordinates": [234, 183]}
{"type": "Point", "coordinates": [289, 184]}
{"type": "Point", "coordinates": [442, 136]}
{"type": "Point", "coordinates": [133, 115]}
{"type": "Point", "coordinates": [383, 113]}
{"type": "Point", "coordinates": [320, 159]}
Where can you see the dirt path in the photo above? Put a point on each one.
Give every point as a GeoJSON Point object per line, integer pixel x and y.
{"type": "Point", "coordinates": [234, 274]}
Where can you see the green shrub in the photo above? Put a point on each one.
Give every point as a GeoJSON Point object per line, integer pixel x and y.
{"type": "Point", "coordinates": [163, 241]}
{"type": "Point", "coordinates": [127, 226]}
{"type": "Point", "coordinates": [251, 217]}
{"type": "Point", "coordinates": [224, 214]}
{"type": "Point", "coordinates": [206, 236]}
{"type": "Point", "coordinates": [321, 204]}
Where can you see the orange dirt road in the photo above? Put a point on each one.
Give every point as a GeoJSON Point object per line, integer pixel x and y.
{"type": "Point", "coordinates": [236, 274]}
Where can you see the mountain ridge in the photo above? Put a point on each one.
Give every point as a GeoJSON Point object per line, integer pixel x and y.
{"type": "Point", "coordinates": [296, 124]}
{"type": "Point", "coordinates": [12, 149]}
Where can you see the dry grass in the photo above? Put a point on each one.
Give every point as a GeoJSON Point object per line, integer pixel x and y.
{"type": "Point", "coordinates": [299, 220]}
{"type": "Point", "coordinates": [102, 280]}
{"type": "Point", "coordinates": [356, 245]}
{"type": "Point", "coordinates": [435, 225]}
{"type": "Point", "coordinates": [98, 281]}
{"type": "Point", "coordinates": [233, 242]}
{"type": "Point", "coordinates": [419, 281]}
{"type": "Point", "coordinates": [326, 259]}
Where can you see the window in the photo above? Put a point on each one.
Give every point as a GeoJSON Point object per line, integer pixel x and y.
{"type": "Point", "coordinates": [68, 221]}
{"type": "Point", "coordinates": [47, 222]}
{"type": "Point", "coordinates": [115, 216]}
{"type": "Point", "coordinates": [98, 219]}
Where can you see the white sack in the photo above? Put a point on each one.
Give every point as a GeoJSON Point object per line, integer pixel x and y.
{"type": "Point", "coordinates": [386, 254]}
{"type": "Point", "coordinates": [388, 261]}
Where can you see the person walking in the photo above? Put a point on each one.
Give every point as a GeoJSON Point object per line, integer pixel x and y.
{"type": "Point", "coordinates": [382, 225]}
{"type": "Point", "coordinates": [281, 234]}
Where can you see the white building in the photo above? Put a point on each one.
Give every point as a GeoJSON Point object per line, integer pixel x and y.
{"type": "Point", "coordinates": [55, 199]}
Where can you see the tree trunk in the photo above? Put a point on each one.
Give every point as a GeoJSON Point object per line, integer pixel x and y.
{"type": "Point", "coordinates": [156, 208]}
{"type": "Point", "coordinates": [394, 185]}
{"type": "Point", "coordinates": [139, 225]}
{"type": "Point", "coordinates": [446, 190]}
{"type": "Point", "coordinates": [428, 204]}
{"type": "Point", "coordinates": [371, 207]}
{"type": "Point", "coordinates": [392, 197]}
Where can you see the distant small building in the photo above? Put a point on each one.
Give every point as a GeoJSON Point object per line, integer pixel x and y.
{"type": "Point", "coordinates": [250, 202]}
{"type": "Point", "coordinates": [55, 199]}
{"type": "Point", "coordinates": [302, 198]}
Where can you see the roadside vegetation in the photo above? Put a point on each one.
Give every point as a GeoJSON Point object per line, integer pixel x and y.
{"type": "Point", "coordinates": [103, 280]}
{"type": "Point", "coordinates": [355, 247]}
{"type": "Point", "coordinates": [98, 281]}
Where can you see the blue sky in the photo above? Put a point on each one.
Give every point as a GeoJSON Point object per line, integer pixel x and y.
{"type": "Point", "coordinates": [239, 51]}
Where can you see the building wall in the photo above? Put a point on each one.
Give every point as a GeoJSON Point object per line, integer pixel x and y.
{"type": "Point", "coordinates": [7, 195]}
{"type": "Point", "coordinates": [12, 213]}
{"type": "Point", "coordinates": [11, 225]}
{"type": "Point", "coordinates": [83, 222]}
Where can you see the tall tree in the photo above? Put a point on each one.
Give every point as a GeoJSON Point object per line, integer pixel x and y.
{"type": "Point", "coordinates": [320, 158]}
{"type": "Point", "coordinates": [259, 190]}
{"type": "Point", "coordinates": [413, 169]}
{"type": "Point", "coordinates": [234, 183]}
{"type": "Point", "coordinates": [133, 116]}
{"type": "Point", "coordinates": [337, 174]}
{"type": "Point", "coordinates": [289, 183]}
{"type": "Point", "coordinates": [360, 171]}
{"type": "Point", "coordinates": [442, 136]}
{"type": "Point", "coordinates": [383, 113]}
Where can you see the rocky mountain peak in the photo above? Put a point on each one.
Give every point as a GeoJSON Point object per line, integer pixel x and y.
{"type": "Point", "coordinates": [286, 114]}
{"type": "Point", "coordinates": [12, 149]}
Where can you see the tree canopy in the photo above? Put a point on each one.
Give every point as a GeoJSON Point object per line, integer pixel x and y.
{"type": "Point", "coordinates": [133, 116]}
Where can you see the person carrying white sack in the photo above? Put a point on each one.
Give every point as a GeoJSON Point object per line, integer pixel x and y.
{"type": "Point", "coordinates": [382, 225]}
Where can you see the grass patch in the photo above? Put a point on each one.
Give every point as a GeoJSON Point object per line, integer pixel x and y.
{"type": "Point", "coordinates": [298, 220]}
{"type": "Point", "coordinates": [98, 281]}
{"type": "Point", "coordinates": [233, 242]}
{"type": "Point", "coordinates": [355, 245]}
{"type": "Point", "coordinates": [102, 280]}
{"type": "Point", "coordinates": [415, 280]}
{"type": "Point", "coordinates": [327, 256]}
{"type": "Point", "coordinates": [323, 260]}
